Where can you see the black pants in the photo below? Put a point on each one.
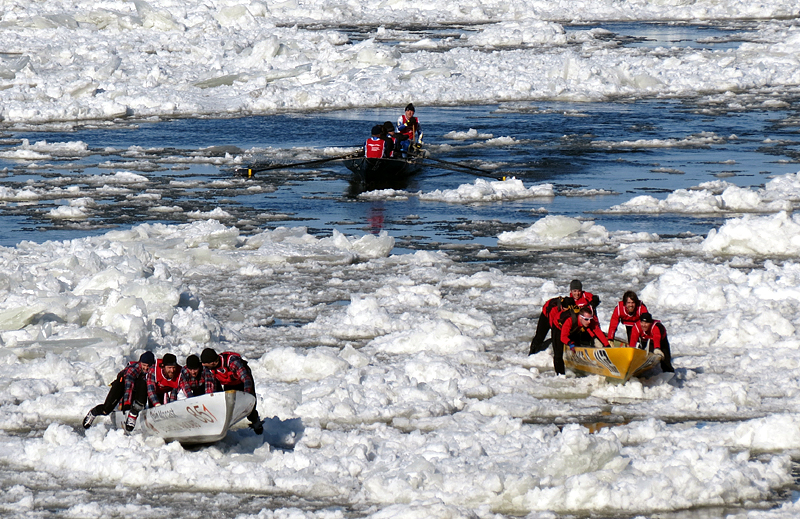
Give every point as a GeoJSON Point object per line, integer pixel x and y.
{"type": "Point", "coordinates": [116, 393]}
{"type": "Point", "coordinates": [558, 354]}
{"type": "Point", "coordinates": [542, 327]}
{"type": "Point", "coordinates": [666, 362]}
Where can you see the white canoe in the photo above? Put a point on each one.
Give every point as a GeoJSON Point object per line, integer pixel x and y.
{"type": "Point", "coordinates": [200, 419]}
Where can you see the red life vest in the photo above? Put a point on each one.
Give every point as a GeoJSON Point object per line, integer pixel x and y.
{"type": "Point", "coordinates": [163, 384]}
{"type": "Point", "coordinates": [655, 338]}
{"type": "Point", "coordinates": [630, 319]}
{"type": "Point", "coordinates": [223, 373]}
{"type": "Point", "coordinates": [375, 148]}
{"type": "Point", "coordinates": [585, 299]}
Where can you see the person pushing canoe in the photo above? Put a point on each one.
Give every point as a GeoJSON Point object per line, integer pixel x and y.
{"type": "Point", "coordinates": [232, 372]}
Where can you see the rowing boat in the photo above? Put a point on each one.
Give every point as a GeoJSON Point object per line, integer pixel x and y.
{"type": "Point", "coordinates": [617, 363]}
{"type": "Point", "coordinates": [383, 171]}
{"type": "Point", "coordinates": [200, 419]}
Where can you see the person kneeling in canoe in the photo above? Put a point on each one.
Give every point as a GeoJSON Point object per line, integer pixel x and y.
{"type": "Point", "coordinates": [232, 371]}
{"type": "Point", "coordinates": [649, 334]}
{"type": "Point", "coordinates": [577, 327]}
{"type": "Point", "coordinates": [130, 387]}
{"type": "Point", "coordinates": [162, 380]}
{"type": "Point", "coordinates": [195, 380]}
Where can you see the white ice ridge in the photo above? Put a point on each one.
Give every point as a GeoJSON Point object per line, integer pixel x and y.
{"type": "Point", "coordinates": [73, 61]}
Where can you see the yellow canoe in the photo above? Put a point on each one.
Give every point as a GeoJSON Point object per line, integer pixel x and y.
{"type": "Point", "coordinates": [617, 363]}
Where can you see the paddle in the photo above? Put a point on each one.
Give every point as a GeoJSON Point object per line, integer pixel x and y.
{"type": "Point", "coordinates": [483, 172]}
{"type": "Point", "coordinates": [250, 171]}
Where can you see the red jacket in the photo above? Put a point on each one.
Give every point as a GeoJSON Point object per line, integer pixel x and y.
{"type": "Point", "coordinates": [552, 310]}
{"type": "Point", "coordinates": [573, 333]}
{"type": "Point", "coordinates": [657, 336]}
{"type": "Point", "coordinates": [587, 298]}
{"type": "Point", "coordinates": [621, 315]}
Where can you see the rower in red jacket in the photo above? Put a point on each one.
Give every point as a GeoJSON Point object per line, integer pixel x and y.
{"type": "Point", "coordinates": [577, 329]}
{"type": "Point", "coordinates": [649, 334]}
{"type": "Point", "coordinates": [582, 329]}
{"type": "Point", "coordinates": [628, 311]}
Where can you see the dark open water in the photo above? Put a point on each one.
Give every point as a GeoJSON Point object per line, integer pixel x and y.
{"type": "Point", "coordinates": [571, 145]}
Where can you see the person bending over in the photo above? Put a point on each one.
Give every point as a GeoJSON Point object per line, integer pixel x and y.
{"type": "Point", "coordinates": [579, 329]}
{"type": "Point", "coordinates": [232, 372]}
{"type": "Point", "coordinates": [195, 380]}
{"type": "Point", "coordinates": [549, 322]}
{"type": "Point", "coordinates": [649, 334]}
{"type": "Point", "coordinates": [129, 388]}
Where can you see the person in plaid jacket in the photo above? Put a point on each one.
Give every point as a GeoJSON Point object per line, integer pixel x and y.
{"type": "Point", "coordinates": [129, 389]}
{"type": "Point", "coordinates": [232, 371]}
{"type": "Point", "coordinates": [194, 380]}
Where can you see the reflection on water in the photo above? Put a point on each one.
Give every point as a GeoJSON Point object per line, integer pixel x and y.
{"type": "Point", "coordinates": [375, 218]}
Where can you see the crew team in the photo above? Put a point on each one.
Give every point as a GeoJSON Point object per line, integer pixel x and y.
{"type": "Point", "coordinates": [386, 142]}
{"type": "Point", "coordinates": [151, 382]}
{"type": "Point", "coordinates": [572, 321]}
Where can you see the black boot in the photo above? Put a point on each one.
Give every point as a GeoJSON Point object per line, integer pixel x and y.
{"type": "Point", "coordinates": [255, 422]}
{"type": "Point", "coordinates": [89, 418]}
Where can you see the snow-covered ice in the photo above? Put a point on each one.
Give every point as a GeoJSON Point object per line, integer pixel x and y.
{"type": "Point", "coordinates": [394, 383]}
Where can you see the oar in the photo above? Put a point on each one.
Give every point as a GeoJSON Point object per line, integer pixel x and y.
{"type": "Point", "coordinates": [464, 166]}
{"type": "Point", "coordinates": [249, 172]}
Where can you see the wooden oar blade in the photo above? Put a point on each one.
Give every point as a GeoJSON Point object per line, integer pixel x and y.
{"type": "Point", "coordinates": [252, 169]}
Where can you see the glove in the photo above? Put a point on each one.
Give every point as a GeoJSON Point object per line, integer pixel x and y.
{"type": "Point", "coordinates": [571, 346]}
{"type": "Point", "coordinates": [657, 352]}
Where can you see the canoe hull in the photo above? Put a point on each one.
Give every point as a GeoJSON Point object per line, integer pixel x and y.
{"type": "Point", "coordinates": [200, 419]}
{"type": "Point", "coordinates": [616, 364]}
{"type": "Point", "coordinates": [382, 171]}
